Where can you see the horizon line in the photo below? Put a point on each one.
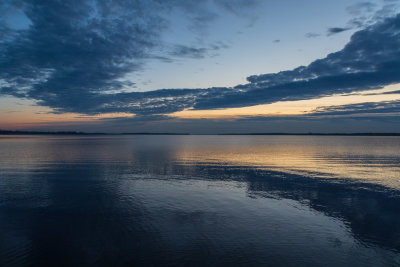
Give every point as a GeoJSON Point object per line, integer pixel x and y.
{"type": "Point", "coordinates": [22, 132]}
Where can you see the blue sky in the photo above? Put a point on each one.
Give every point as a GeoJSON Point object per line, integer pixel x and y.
{"type": "Point", "coordinates": [147, 65]}
{"type": "Point", "coordinates": [252, 43]}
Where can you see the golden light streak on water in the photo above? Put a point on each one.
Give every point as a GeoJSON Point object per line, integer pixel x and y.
{"type": "Point", "coordinates": [319, 156]}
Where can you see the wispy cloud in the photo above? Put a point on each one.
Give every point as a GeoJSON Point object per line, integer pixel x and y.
{"type": "Point", "coordinates": [371, 108]}
{"type": "Point", "coordinates": [361, 8]}
{"type": "Point", "coordinates": [312, 35]}
{"type": "Point", "coordinates": [365, 14]}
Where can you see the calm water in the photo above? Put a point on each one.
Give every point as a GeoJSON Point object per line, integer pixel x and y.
{"type": "Point", "coordinates": [200, 200]}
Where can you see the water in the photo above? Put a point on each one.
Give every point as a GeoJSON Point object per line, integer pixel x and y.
{"type": "Point", "coordinates": [200, 200]}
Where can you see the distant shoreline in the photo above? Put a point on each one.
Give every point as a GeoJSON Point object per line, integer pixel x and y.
{"type": "Point", "coordinates": [6, 132]}
{"type": "Point", "coordinates": [340, 134]}
{"type": "Point", "coordinates": [9, 132]}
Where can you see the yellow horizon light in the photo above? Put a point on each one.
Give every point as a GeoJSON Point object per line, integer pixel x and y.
{"type": "Point", "coordinates": [295, 107]}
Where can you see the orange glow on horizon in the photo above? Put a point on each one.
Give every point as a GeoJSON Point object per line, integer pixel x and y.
{"type": "Point", "coordinates": [297, 107]}
{"type": "Point", "coordinates": [28, 115]}
{"type": "Point", "coordinates": [21, 114]}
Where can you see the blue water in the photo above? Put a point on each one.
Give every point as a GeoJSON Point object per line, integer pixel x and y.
{"type": "Point", "coordinates": [199, 200]}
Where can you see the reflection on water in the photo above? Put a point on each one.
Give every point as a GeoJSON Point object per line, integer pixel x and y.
{"type": "Point", "coordinates": [200, 200]}
{"type": "Point", "coordinates": [374, 159]}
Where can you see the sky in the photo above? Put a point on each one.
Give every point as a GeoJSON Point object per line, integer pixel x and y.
{"type": "Point", "coordinates": [200, 66]}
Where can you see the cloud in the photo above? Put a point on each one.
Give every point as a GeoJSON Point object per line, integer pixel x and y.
{"type": "Point", "coordinates": [368, 13]}
{"type": "Point", "coordinates": [187, 51]}
{"type": "Point", "coordinates": [361, 8]}
{"type": "Point", "coordinates": [75, 57]}
{"type": "Point", "coordinates": [365, 14]}
{"type": "Point", "coordinates": [370, 60]}
{"type": "Point", "coordinates": [74, 53]}
{"type": "Point", "coordinates": [336, 30]}
{"type": "Point", "coordinates": [197, 52]}
{"type": "Point", "coordinates": [312, 35]}
{"type": "Point", "coordinates": [78, 48]}
{"type": "Point", "coordinates": [370, 108]}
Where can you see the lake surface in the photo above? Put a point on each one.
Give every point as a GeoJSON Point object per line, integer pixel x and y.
{"type": "Point", "coordinates": [200, 200]}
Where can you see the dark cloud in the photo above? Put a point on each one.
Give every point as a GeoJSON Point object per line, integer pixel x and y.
{"type": "Point", "coordinates": [370, 60]}
{"type": "Point", "coordinates": [371, 108]}
{"type": "Point", "coordinates": [392, 92]}
{"type": "Point", "coordinates": [75, 56]}
{"type": "Point", "coordinates": [336, 30]}
{"type": "Point", "coordinates": [74, 53]}
{"type": "Point", "coordinates": [75, 50]}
